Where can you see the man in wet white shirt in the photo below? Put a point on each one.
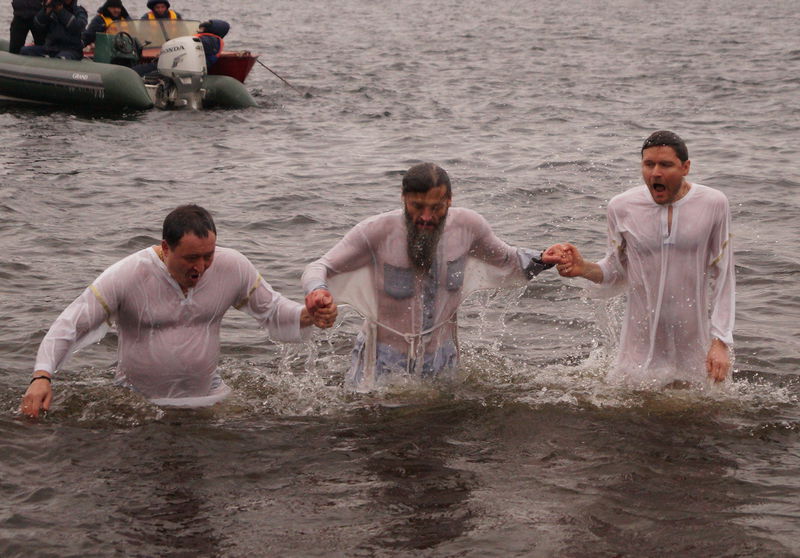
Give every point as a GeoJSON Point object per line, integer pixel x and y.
{"type": "Point", "coordinates": [167, 302]}
{"type": "Point", "coordinates": [669, 248]}
{"type": "Point", "coordinates": [407, 271]}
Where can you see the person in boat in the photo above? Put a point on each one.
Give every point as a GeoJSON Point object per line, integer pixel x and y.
{"type": "Point", "coordinates": [669, 250]}
{"type": "Point", "coordinates": [22, 24]}
{"type": "Point", "coordinates": [168, 302]}
{"type": "Point", "coordinates": [63, 22]}
{"type": "Point", "coordinates": [160, 9]}
{"type": "Point", "coordinates": [108, 13]}
{"type": "Point", "coordinates": [210, 33]}
{"type": "Point", "coordinates": [407, 271]}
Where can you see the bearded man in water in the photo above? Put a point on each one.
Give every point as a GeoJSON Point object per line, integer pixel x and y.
{"type": "Point", "coordinates": [407, 271]}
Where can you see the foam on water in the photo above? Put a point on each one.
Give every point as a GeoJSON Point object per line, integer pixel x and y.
{"type": "Point", "coordinates": [536, 109]}
{"type": "Point", "coordinates": [307, 381]}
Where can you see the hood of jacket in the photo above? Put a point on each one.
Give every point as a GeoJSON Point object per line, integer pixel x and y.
{"type": "Point", "coordinates": [216, 27]}
{"type": "Point", "coordinates": [104, 10]}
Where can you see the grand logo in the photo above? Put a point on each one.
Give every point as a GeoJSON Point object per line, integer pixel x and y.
{"type": "Point", "coordinates": [82, 77]}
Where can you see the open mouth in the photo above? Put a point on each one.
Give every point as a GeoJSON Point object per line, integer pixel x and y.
{"type": "Point", "coordinates": [659, 187]}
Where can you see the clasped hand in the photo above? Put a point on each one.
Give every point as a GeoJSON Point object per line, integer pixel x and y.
{"type": "Point", "coordinates": [321, 308]}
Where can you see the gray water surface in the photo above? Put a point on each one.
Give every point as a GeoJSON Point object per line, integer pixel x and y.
{"type": "Point", "coordinates": [537, 110]}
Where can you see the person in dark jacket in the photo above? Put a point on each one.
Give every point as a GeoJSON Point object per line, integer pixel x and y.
{"type": "Point", "coordinates": [159, 9]}
{"type": "Point", "coordinates": [108, 13]}
{"type": "Point", "coordinates": [63, 22]}
{"type": "Point", "coordinates": [211, 33]}
{"type": "Point", "coordinates": [22, 22]}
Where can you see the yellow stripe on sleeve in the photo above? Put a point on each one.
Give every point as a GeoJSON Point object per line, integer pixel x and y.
{"type": "Point", "coordinates": [722, 252]}
{"type": "Point", "coordinates": [103, 303]}
{"type": "Point", "coordinates": [249, 293]}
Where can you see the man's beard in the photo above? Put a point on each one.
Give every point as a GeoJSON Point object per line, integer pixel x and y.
{"type": "Point", "coordinates": [422, 243]}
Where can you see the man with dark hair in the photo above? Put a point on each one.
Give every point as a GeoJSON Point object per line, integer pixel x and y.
{"type": "Point", "coordinates": [665, 138]}
{"type": "Point", "coordinates": [669, 245]}
{"type": "Point", "coordinates": [168, 302]}
{"type": "Point", "coordinates": [62, 22]}
{"type": "Point", "coordinates": [407, 271]}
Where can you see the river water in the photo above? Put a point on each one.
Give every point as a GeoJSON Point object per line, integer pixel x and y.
{"type": "Point", "coordinates": [537, 110]}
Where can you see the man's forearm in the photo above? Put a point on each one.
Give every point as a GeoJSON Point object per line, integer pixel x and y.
{"type": "Point", "coordinates": [592, 272]}
{"type": "Point", "coordinates": [314, 277]}
{"type": "Point", "coordinates": [719, 343]}
{"type": "Point", "coordinates": [305, 318]}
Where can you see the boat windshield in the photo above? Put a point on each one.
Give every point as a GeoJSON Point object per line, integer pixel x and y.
{"type": "Point", "coordinates": [153, 33]}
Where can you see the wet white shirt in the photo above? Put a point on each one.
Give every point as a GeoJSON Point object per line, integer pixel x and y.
{"type": "Point", "coordinates": [410, 324]}
{"type": "Point", "coordinates": [168, 342]}
{"type": "Point", "coordinates": [679, 282]}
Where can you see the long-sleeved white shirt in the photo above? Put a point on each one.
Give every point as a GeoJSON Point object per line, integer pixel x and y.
{"type": "Point", "coordinates": [679, 282]}
{"type": "Point", "coordinates": [168, 342]}
{"type": "Point", "coordinates": [410, 316]}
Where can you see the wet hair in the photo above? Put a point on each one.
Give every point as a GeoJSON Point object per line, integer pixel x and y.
{"type": "Point", "coordinates": [187, 219]}
{"type": "Point", "coordinates": [425, 176]}
{"type": "Point", "coordinates": [669, 139]}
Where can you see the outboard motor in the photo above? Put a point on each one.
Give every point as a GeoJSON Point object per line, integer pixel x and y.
{"type": "Point", "coordinates": [181, 74]}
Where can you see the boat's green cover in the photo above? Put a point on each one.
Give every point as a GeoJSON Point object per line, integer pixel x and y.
{"type": "Point", "coordinates": [226, 92]}
{"type": "Point", "coordinates": [71, 83]}
{"type": "Point", "coordinates": [87, 83]}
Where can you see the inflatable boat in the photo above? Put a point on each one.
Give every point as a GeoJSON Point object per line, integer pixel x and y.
{"type": "Point", "coordinates": [72, 83]}
{"type": "Point", "coordinates": [113, 87]}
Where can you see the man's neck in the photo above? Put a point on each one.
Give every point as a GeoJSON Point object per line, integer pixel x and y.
{"type": "Point", "coordinates": [682, 191]}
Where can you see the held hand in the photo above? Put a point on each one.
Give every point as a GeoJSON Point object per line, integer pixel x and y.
{"type": "Point", "coordinates": [572, 264]}
{"type": "Point", "coordinates": [37, 397]}
{"type": "Point", "coordinates": [326, 317]}
{"type": "Point", "coordinates": [321, 307]}
{"type": "Point", "coordinates": [718, 361]}
{"type": "Point", "coordinates": [556, 254]}
{"type": "Point", "coordinates": [318, 298]}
